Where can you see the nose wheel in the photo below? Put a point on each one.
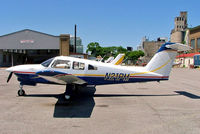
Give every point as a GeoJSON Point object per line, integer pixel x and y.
{"type": "Point", "coordinates": [21, 92]}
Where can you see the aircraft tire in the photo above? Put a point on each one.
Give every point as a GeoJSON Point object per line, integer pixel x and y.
{"type": "Point", "coordinates": [21, 92]}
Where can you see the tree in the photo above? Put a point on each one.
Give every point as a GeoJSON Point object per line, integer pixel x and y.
{"type": "Point", "coordinates": [106, 52]}
{"type": "Point", "coordinates": [134, 55]}
{"type": "Point", "coordinates": [109, 51]}
{"type": "Point", "coordinates": [95, 48]}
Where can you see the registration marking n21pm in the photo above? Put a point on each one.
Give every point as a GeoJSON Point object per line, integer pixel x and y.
{"type": "Point", "coordinates": [117, 76]}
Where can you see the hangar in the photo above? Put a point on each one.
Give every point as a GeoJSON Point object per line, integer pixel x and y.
{"type": "Point", "coordinates": [29, 46]}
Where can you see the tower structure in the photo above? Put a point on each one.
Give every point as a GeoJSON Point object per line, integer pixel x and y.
{"type": "Point", "coordinates": [180, 27]}
{"type": "Point", "coordinates": [181, 22]}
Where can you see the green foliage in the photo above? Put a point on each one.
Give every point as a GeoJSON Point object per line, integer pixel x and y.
{"type": "Point", "coordinates": [95, 48]}
{"type": "Point", "coordinates": [134, 55]}
{"type": "Point", "coordinates": [106, 52]}
{"type": "Point", "coordinates": [183, 42]}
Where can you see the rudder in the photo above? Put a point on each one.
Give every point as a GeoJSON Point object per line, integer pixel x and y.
{"type": "Point", "coordinates": [162, 61]}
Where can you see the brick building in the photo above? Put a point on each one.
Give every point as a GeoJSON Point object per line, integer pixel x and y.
{"type": "Point", "coordinates": [194, 38]}
{"type": "Point", "coordinates": [150, 48]}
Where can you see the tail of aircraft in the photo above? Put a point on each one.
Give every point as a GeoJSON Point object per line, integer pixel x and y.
{"type": "Point", "coordinates": [162, 61]}
{"type": "Point", "coordinates": [118, 60]}
{"type": "Point", "coordinates": [110, 59]}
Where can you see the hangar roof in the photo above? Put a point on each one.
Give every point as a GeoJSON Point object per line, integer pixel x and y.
{"type": "Point", "coordinates": [29, 39]}
{"type": "Point", "coordinates": [186, 55]}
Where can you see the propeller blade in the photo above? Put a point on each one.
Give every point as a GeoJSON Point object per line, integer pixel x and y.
{"type": "Point", "coordinates": [10, 75]}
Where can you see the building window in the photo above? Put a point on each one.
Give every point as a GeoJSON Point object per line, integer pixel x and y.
{"type": "Point", "coordinates": [78, 65]}
{"type": "Point", "coordinates": [198, 43]}
{"type": "Point", "coordinates": [4, 58]}
{"type": "Point", "coordinates": [64, 64]}
{"type": "Point", "coordinates": [10, 58]}
{"type": "Point", "coordinates": [193, 43]}
{"type": "Point", "coordinates": [38, 51]}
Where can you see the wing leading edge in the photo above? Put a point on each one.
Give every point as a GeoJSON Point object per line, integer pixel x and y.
{"type": "Point", "coordinates": [60, 77]}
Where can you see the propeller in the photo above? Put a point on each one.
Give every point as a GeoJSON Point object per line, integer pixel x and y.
{"type": "Point", "coordinates": [10, 75]}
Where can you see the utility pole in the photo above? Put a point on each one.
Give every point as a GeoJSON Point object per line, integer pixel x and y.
{"type": "Point", "coordinates": [75, 39]}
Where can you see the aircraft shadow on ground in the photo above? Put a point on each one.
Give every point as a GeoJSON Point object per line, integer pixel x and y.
{"type": "Point", "coordinates": [82, 103]}
{"type": "Point", "coordinates": [131, 95]}
{"type": "Point", "coordinates": [187, 94]}
{"type": "Point", "coordinates": [80, 106]}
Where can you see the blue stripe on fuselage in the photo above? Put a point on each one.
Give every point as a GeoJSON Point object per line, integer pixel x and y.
{"type": "Point", "coordinates": [102, 81]}
{"type": "Point", "coordinates": [33, 79]}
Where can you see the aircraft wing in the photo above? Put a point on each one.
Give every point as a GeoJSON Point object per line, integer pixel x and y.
{"type": "Point", "coordinates": [60, 77]}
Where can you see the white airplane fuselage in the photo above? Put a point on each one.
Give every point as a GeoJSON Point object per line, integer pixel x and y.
{"type": "Point", "coordinates": [102, 73]}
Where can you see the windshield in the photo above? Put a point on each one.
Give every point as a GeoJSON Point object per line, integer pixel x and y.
{"type": "Point", "coordinates": [47, 62]}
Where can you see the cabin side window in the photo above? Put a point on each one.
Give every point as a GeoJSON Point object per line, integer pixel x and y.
{"type": "Point", "coordinates": [91, 67]}
{"type": "Point", "coordinates": [64, 64]}
{"type": "Point", "coordinates": [78, 65]}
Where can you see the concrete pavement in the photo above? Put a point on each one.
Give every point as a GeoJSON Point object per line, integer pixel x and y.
{"type": "Point", "coordinates": [169, 107]}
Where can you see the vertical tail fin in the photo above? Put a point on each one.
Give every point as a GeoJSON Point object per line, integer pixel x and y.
{"type": "Point", "coordinates": [118, 60]}
{"type": "Point", "coordinates": [110, 59]}
{"type": "Point", "coordinates": [163, 60]}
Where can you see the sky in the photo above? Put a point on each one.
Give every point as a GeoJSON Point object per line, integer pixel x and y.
{"type": "Point", "coordinates": [108, 22]}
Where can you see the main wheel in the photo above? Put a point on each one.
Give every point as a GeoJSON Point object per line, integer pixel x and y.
{"type": "Point", "coordinates": [21, 92]}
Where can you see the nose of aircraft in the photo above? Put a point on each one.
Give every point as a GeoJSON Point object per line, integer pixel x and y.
{"type": "Point", "coordinates": [10, 69]}
{"type": "Point", "coordinates": [25, 68]}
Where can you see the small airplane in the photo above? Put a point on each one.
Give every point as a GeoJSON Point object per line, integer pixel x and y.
{"type": "Point", "coordinates": [116, 61]}
{"type": "Point", "coordinates": [74, 72]}
{"type": "Point", "coordinates": [110, 59]}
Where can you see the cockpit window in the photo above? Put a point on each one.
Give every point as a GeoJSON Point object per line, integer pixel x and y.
{"type": "Point", "coordinates": [47, 62]}
{"type": "Point", "coordinates": [91, 67]}
{"type": "Point", "coordinates": [78, 65]}
{"type": "Point", "coordinates": [65, 64]}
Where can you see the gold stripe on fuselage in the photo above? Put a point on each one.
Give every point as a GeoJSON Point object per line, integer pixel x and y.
{"type": "Point", "coordinates": [152, 70]}
{"type": "Point", "coordinates": [88, 74]}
